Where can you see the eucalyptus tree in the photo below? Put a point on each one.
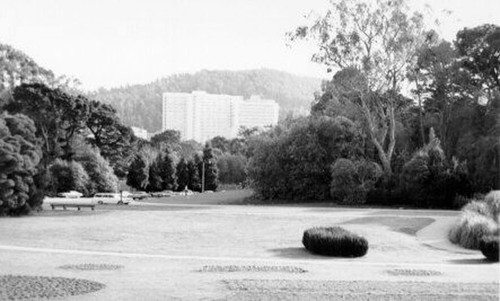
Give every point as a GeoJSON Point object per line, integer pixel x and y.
{"type": "Point", "coordinates": [377, 41]}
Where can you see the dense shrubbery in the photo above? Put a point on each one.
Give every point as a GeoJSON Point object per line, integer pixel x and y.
{"type": "Point", "coordinates": [232, 168]}
{"type": "Point", "coordinates": [479, 220]}
{"type": "Point", "coordinates": [492, 200]}
{"type": "Point", "coordinates": [334, 241]}
{"type": "Point", "coordinates": [352, 180]}
{"type": "Point", "coordinates": [68, 175]}
{"type": "Point", "coordinates": [470, 230]}
{"type": "Point", "coordinates": [478, 207]}
{"type": "Point", "coordinates": [101, 175]}
{"type": "Point", "coordinates": [293, 163]}
{"type": "Point", "coordinates": [19, 156]}
{"type": "Point", "coordinates": [429, 180]}
{"type": "Point", "coordinates": [57, 155]}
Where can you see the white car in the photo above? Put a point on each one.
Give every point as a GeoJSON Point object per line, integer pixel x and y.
{"type": "Point", "coordinates": [70, 194]}
{"type": "Point", "coordinates": [111, 198]}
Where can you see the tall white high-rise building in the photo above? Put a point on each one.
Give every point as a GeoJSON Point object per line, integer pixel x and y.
{"type": "Point", "coordinates": [201, 116]}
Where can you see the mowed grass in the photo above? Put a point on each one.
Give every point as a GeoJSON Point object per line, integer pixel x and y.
{"type": "Point", "coordinates": [213, 231]}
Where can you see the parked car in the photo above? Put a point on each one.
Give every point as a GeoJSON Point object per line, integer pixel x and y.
{"type": "Point", "coordinates": [126, 194]}
{"type": "Point", "coordinates": [139, 195]}
{"type": "Point", "coordinates": [111, 198]}
{"type": "Point", "coordinates": [70, 194]}
{"type": "Point", "coordinates": [186, 192]}
{"type": "Point", "coordinates": [163, 194]}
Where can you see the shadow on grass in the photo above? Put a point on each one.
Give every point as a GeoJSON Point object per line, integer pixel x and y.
{"type": "Point", "coordinates": [295, 253]}
{"type": "Point", "coordinates": [471, 261]}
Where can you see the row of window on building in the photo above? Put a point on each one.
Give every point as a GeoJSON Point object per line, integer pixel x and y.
{"type": "Point", "coordinates": [200, 116]}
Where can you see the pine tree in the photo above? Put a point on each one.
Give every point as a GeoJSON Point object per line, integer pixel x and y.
{"type": "Point", "coordinates": [138, 173]}
{"type": "Point", "coordinates": [211, 170]}
{"type": "Point", "coordinates": [155, 175]}
{"type": "Point", "coordinates": [167, 171]}
{"type": "Point", "coordinates": [194, 174]}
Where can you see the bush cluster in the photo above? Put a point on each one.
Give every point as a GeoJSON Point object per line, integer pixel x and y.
{"type": "Point", "coordinates": [470, 230]}
{"type": "Point", "coordinates": [352, 180]}
{"type": "Point", "coordinates": [291, 162]}
{"type": "Point", "coordinates": [430, 180]}
{"type": "Point", "coordinates": [334, 241]}
{"type": "Point", "coordinates": [492, 200]}
{"type": "Point", "coordinates": [478, 225]}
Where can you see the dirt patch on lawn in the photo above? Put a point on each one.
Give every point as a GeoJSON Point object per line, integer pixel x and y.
{"type": "Point", "coordinates": [413, 272]}
{"type": "Point", "coordinates": [91, 267]}
{"type": "Point", "coordinates": [38, 287]}
{"type": "Point", "coordinates": [251, 268]}
{"type": "Point", "coordinates": [407, 225]}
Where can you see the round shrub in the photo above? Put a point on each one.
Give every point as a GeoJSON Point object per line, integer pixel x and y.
{"type": "Point", "coordinates": [489, 247]}
{"type": "Point", "coordinates": [470, 229]}
{"type": "Point", "coordinates": [334, 241]}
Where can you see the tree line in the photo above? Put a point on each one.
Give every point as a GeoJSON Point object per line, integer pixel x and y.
{"type": "Point", "coordinates": [157, 169]}
{"type": "Point", "coordinates": [75, 144]}
{"type": "Point", "coordinates": [167, 163]}
{"type": "Point", "coordinates": [366, 140]}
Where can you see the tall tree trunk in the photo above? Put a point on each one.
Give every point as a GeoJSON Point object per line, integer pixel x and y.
{"type": "Point", "coordinates": [385, 156]}
{"type": "Point", "coordinates": [420, 116]}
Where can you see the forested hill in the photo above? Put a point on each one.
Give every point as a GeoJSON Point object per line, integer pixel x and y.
{"type": "Point", "coordinates": [140, 105]}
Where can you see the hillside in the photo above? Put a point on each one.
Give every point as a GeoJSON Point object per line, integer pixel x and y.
{"type": "Point", "coordinates": [140, 105]}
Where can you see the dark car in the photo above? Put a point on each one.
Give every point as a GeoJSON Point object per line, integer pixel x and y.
{"type": "Point", "coordinates": [163, 194]}
{"type": "Point", "coordinates": [139, 195]}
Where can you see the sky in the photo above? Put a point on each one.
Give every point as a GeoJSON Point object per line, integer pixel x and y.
{"type": "Point", "coordinates": [110, 43]}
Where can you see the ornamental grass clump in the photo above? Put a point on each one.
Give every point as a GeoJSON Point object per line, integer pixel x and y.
{"type": "Point", "coordinates": [471, 228]}
{"type": "Point", "coordinates": [478, 227]}
{"type": "Point", "coordinates": [334, 241]}
{"type": "Point", "coordinates": [492, 200]}
{"type": "Point", "coordinates": [478, 207]}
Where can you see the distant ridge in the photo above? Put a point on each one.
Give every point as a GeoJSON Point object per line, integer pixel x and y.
{"type": "Point", "coordinates": [140, 105]}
